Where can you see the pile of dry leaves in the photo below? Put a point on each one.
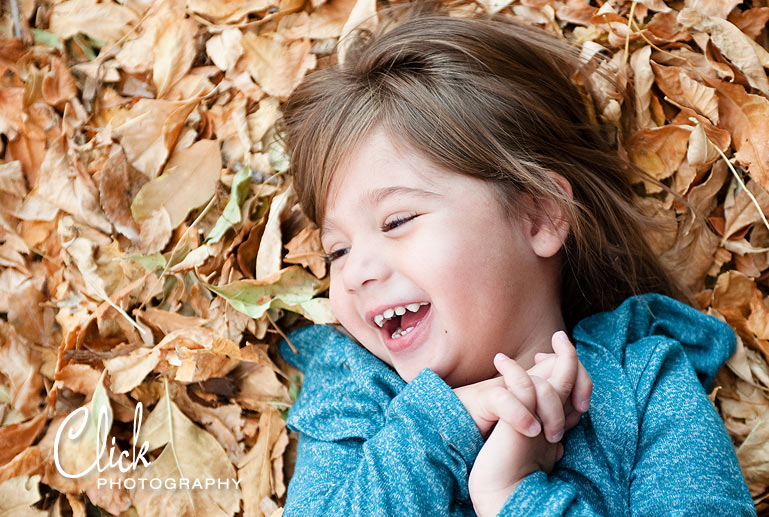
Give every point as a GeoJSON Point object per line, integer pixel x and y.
{"type": "Point", "coordinates": [152, 248]}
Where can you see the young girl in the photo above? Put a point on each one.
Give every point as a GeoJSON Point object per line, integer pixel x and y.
{"type": "Point", "coordinates": [472, 212]}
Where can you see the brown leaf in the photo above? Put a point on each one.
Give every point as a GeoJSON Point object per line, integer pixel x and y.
{"type": "Point", "coordinates": [746, 117]}
{"type": "Point", "coordinates": [677, 84]}
{"type": "Point", "coordinates": [268, 256]}
{"type": "Point", "coordinates": [328, 20]}
{"type": "Point", "coordinates": [67, 188]}
{"type": "Point", "coordinates": [753, 455]}
{"type": "Point", "coordinates": [225, 49]}
{"type": "Point", "coordinates": [20, 365]}
{"type": "Point", "coordinates": [231, 10]}
{"type": "Point", "coordinates": [751, 21]}
{"type": "Point", "coordinates": [260, 388]}
{"type": "Point", "coordinates": [105, 21]}
{"type": "Point", "coordinates": [189, 181]}
{"type": "Point", "coordinates": [643, 79]}
{"type": "Point", "coordinates": [693, 253]}
{"type": "Point", "coordinates": [174, 51]}
{"type": "Point", "coordinates": [745, 53]}
{"type": "Point", "coordinates": [659, 151]}
{"type": "Point", "coordinates": [733, 292]}
{"type": "Point", "coordinates": [115, 193]}
{"type": "Point", "coordinates": [79, 378]}
{"type": "Point", "coordinates": [703, 196]}
{"type": "Point", "coordinates": [758, 320]}
{"type": "Point", "coordinates": [128, 370]}
{"type": "Point", "coordinates": [58, 84]}
{"type": "Point", "coordinates": [189, 452]}
{"type": "Point", "coordinates": [255, 469]}
{"type": "Point", "coordinates": [17, 437]}
{"type": "Point", "coordinates": [224, 422]}
{"type": "Point", "coordinates": [744, 211]}
{"type": "Point", "coordinates": [719, 8]}
{"type": "Point", "coordinates": [27, 462]}
{"type": "Point", "coordinates": [167, 322]}
{"type": "Point", "coordinates": [305, 249]}
{"type": "Point", "coordinates": [17, 496]}
{"type": "Point", "coordinates": [276, 67]}
{"type": "Point", "coordinates": [150, 132]}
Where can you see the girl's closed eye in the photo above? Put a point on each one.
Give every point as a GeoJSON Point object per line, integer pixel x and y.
{"type": "Point", "coordinates": [330, 257]}
{"type": "Point", "coordinates": [386, 227]}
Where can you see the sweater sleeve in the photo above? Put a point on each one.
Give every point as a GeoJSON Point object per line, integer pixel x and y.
{"type": "Point", "coordinates": [413, 465]}
{"type": "Point", "coordinates": [540, 494]}
{"type": "Point", "coordinates": [685, 462]}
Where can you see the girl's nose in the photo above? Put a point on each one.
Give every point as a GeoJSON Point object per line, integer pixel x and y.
{"type": "Point", "coordinates": [363, 265]}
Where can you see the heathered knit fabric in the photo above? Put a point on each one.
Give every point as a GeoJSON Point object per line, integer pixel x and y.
{"type": "Point", "coordinates": [651, 443]}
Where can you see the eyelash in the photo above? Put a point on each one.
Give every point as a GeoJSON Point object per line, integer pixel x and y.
{"type": "Point", "coordinates": [329, 258]}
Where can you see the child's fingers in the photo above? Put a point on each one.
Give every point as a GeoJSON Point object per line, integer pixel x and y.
{"type": "Point", "coordinates": [565, 370]}
{"type": "Point", "coordinates": [572, 419]}
{"type": "Point", "coordinates": [517, 380]}
{"type": "Point", "coordinates": [502, 404]}
{"type": "Point", "coordinates": [583, 389]}
{"type": "Point", "coordinates": [549, 410]}
{"type": "Point", "coordinates": [544, 368]}
{"type": "Point", "coordinates": [541, 356]}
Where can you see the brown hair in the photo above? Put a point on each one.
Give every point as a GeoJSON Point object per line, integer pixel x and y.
{"type": "Point", "coordinates": [495, 99]}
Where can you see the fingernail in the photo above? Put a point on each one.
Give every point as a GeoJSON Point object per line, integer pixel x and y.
{"type": "Point", "coordinates": [562, 337]}
{"type": "Point", "coordinates": [500, 357]}
{"type": "Point", "coordinates": [533, 430]}
{"type": "Point", "coordinates": [583, 405]}
{"type": "Point", "coordinates": [557, 436]}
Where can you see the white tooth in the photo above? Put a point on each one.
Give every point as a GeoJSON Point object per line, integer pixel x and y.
{"type": "Point", "coordinates": [424, 303]}
{"type": "Point", "coordinates": [379, 319]}
{"type": "Point", "coordinates": [400, 311]}
{"type": "Point", "coordinates": [413, 307]}
{"type": "Point", "coordinates": [389, 313]}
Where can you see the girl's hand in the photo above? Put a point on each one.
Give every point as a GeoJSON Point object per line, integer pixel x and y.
{"type": "Point", "coordinates": [504, 460]}
{"type": "Point", "coordinates": [508, 456]}
{"type": "Point", "coordinates": [493, 399]}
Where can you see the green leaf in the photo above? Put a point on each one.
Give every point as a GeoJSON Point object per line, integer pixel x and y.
{"type": "Point", "coordinates": [48, 38]}
{"type": "Point", "coordinates": [276, 153]}
{"type": "Point", "coordinates": [290, 288]}
{"type": "Point", "coordinates": [84, 46]}
{"type": "Point", "coordinates": [231, 214]}
{"type": "Point", "coordinates": [149, 262]}
{"type": "Point", "coordinates": [294, 387]}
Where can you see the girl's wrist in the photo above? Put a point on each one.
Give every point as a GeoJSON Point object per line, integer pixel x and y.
{"type": "Point", "coordinates": [489, 503]}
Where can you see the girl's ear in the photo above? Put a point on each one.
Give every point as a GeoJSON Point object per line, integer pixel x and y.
{"type": "Point", "coordinates": [547, 226]}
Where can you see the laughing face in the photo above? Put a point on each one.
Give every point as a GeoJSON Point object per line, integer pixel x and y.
{"type": "Point", "coordinates": [428, 271]}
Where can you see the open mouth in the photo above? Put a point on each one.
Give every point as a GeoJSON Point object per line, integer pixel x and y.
{"type": "Point", "coordinates": [399, 326]}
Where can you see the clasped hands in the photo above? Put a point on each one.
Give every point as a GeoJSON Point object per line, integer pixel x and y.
{"type": "Point", "coordinates": [522, 416]}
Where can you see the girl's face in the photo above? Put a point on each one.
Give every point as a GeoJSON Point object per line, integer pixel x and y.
{"type": "Point", "coordinates": [402, 232]}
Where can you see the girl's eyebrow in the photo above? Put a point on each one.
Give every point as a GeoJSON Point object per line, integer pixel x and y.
{"type": "Point", "coordinates": [376, 196]}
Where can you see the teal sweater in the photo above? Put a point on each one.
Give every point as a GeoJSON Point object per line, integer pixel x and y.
{"type": "Point", "coordinates": [651, 443]}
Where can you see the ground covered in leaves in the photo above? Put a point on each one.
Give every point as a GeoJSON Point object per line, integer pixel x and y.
{"type": "Point", "coordinates": [152, 252]}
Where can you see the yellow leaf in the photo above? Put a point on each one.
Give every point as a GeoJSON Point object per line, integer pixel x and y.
{"type": "Point", "coordinates": [190, 453]}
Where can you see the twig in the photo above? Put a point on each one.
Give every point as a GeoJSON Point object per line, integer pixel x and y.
{"type": "Point", "coordinates": [629, 31]}
{"type": "Point", "coordinates": [293, 348]}
{"type": "Point", "coordinates": [737, 177]}
{"type": "Point", "coordinates": [16, 20]}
